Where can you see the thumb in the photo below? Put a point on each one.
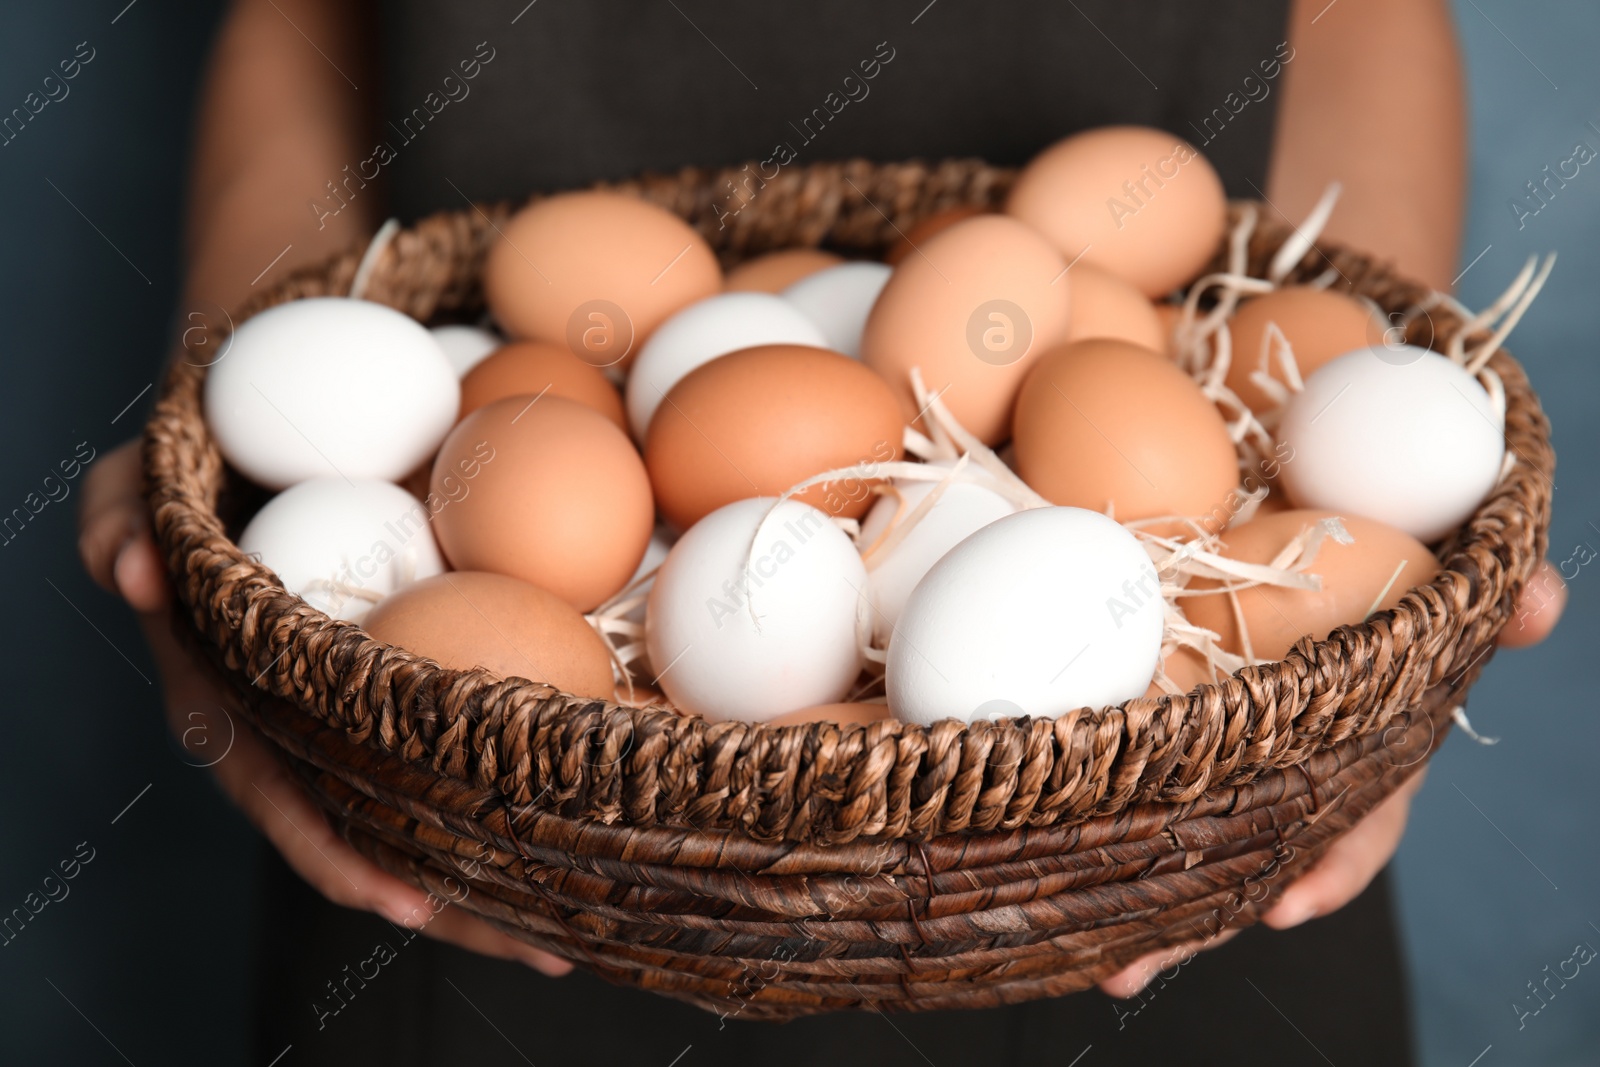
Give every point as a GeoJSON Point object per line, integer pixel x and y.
{"type": "Point", "coordinates": [114, 531]}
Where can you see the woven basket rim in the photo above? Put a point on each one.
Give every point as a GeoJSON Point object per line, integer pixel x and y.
{"type": "Point", "coordinates": [537, 746]}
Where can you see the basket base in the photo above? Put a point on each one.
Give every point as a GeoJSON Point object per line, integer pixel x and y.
{"type": "Point", "coordinates": [1217, 864]}
{"type": "Point", "coordinates": [749, 913]}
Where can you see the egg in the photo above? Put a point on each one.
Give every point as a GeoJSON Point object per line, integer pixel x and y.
{"type": "Point", "coordinates": [973, 310]}
{"type": "Point", "coordinates": [1105, 423]}
{"type": "Point", "coordinates": [1275, 501]}
{"type": "Point", "coordinates": [799, 576]}
{"type": "Point", "coordinates": [937, 223]}
{"type": "Point", "coordinates": [416, 483]}
{"type": "Point", "coordinates": [330, 386]}
{"type": "Point", "coordinates": [838, 301]}
{"type": "Point", "coordinates": [470, 619]}
{"type": "Point", "coordinates": [1171, 317]}
{"type": "Point", "coordinates": [963, 508]}
{"type": "Point", "coordinates": [1319, 324]}
{"type": "Point", "coordinates": [341, 546]}
{"type": "Point", "coordinates": [703, 331]}
{"type": "Point", "coordinates": [757, 421]}
{"type": "Point", "coordinates": [1104, 305]}
{"type": "Point", "coordinates": [1140, 203]}
{"type": "Point", "coordinates": [558, 497]}
{"type": "Point", "coordinates": [776, 271]}
{"type": "Point", "coordinates": [641, 696]}
{"type": "Point", "coordinates": [655, 553]}
{"type": "Point", "coordinates": [1186, 669]}
{"type": "Point", "coordinates": [1371, 573]}
{"type": "Point", "coordinates": [1039, 613]}
{"type": "Point", "coordinates": [534, 368]}
{"type": "Point", "coordinates": [1398, 434]}
{"type": "Point", "coordinates": [595, 271]}
{"type": "Point", "coordinates": [838, 714]}
{"type": "Point", "coordinates": [465, 346]}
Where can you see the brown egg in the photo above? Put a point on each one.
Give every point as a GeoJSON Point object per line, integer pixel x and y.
{"type": "Point", "coordinates": [529, 368]}
{"type": "Point", "coordinates": [1105, 422]}
{"type": "Point", "coordinates": [643, 696]}
{"type": "Point", "coordinates": [467, 619]}
{"type": "Point", "coordinates": [1353, 577]}
{"type": "Point", "coordinates": [1187, 669]}
{"type": "Point", "coordinates": [776, 271]}
{"type": "Point", "coordinates": [1277, 500]}
{"type": "Point", "coordinates": [934, 224]}
{"type": "Point", "coordinates": [1169, 316]}
{"type": "Point", "coordinates": [841, 714]}
{"type": "Point", "coordinates": [1138, 202]}
{"type": "Point", "coordinates": [416, 483]}
{"type": "Point", "coordinates": [558, 498]}
{"type": "Point", "coordinates": [596, 272]}
{"type": "Point", "coordinates": [1319, 325]}
{"type": "Point", "coordinates": [1104, 305]}
{"type": "Point", "coordinates": [974, 311]}
{"type": "Point", "coordinates": [757, 421]}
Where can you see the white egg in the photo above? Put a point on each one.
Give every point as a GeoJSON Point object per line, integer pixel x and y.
{"type": "Point", "coordinates": [330, 387]}
{"type": "Point", "coordinates": [655, 553]}
{"type": "Point", "coordinates": [1398, 434]}
{"type": "Point", "coordinates": [465, 346]}
{"type": "Point", "coordinates": [703, 331]}
{"type": "Point", "coordinates": [838, 299]}
{"type": "Point", "coordinates": [342, 546]}
{"type": "Point", "coordinates": [962, 509]}
{"type": "Point", "coordinates": [805, 585]}
{"type": "Point", "coordinates": [1037, 613]}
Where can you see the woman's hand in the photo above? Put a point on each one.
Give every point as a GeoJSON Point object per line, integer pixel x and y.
{"type": "Point", "coordinates": [120, 554]}
{"type": "Point", "coordinates": [118, 551]}
{"type": "Point", "coordinates": [1354, 860]}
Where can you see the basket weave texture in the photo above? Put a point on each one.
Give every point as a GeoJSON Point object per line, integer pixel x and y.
{"type": "Point", "coordinates": [780, 871]}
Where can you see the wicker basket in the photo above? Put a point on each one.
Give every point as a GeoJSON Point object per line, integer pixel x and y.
{"type": "Point", "coordinates": [777, 872]}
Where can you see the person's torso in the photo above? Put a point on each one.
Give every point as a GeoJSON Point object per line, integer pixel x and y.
{"type": "Point", "coordinates": [496, 101]}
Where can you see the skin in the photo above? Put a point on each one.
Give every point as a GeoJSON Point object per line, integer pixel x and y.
{"type": "Point", "coordinates": [1354, 62]}
{"type": "Point", "coordinates": [1359, 63]}
{"type": "Point", "coordinates": [278, 116]}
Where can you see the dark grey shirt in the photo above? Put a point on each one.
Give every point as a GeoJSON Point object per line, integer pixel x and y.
{"type": "Point", "coordinates": [498, 100]}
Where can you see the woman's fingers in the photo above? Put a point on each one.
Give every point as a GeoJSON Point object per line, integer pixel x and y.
{"type": "Point", "coordinates": [1538, 608]}
{"type": "Point", "coordinates": [119, 553]}
{"type": "Point", "coordinates": [296, 827]}
{"type": "Point", "coordinates": [467, 931]}
{"type": "Point", "coordinates": [1353, 860]}
{"type": "Point", "coordinates": [1138, 974]}
{"type": "Point", "coordinates": [1350, 863]}
{"type": "Point", "coordinates": [141, 573]}
{"type": "Point", "coordinates": [114, 531]}
{"type": "Point", "coordinates": [1338, 877]}
{"type": "Point", "coordinates": [251, 774]}
{"type": "Point", "coordinates": [107, 511]}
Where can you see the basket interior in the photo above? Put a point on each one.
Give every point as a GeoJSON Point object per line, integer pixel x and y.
{"type": "Point", "coordinates": [822, 783]}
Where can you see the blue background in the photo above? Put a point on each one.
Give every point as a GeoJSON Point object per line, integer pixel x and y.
{"type": "Point", "coordinates": [150, 953]}
{"type": "Point", "coordinates": [1492, 894]}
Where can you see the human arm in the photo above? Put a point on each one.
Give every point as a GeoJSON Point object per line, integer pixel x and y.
{"type": "Point", "coordinates": [283, 112]}
{"type": "Point", "coordinates": [1373, 98]}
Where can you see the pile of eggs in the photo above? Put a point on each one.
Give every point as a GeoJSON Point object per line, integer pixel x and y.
{"type": "Point", "coordinates": [736, 496]}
